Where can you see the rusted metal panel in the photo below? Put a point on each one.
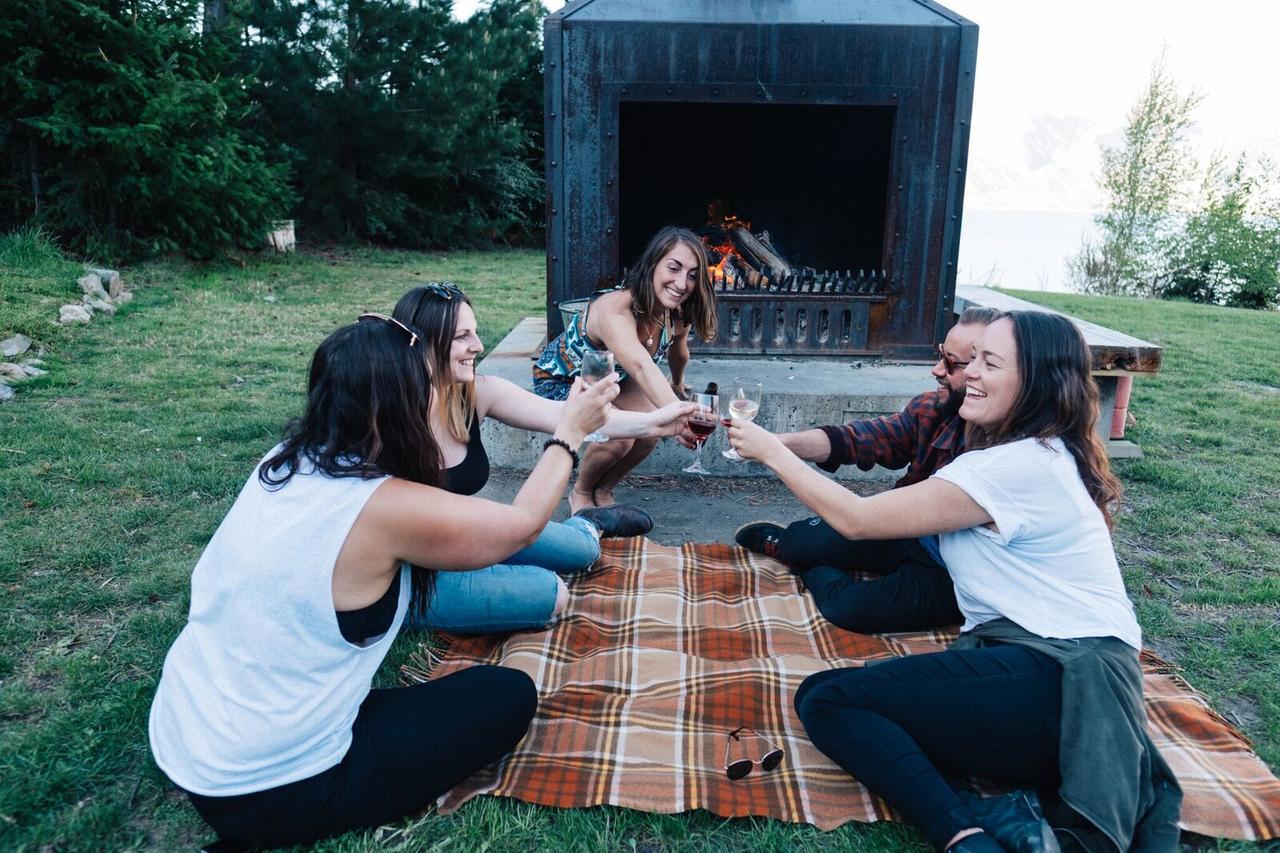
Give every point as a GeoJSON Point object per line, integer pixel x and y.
{"type": "Point", "coordinates": [910, 57]}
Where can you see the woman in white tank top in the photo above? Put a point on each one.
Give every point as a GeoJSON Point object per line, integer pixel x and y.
{"type": "Point", "coordinates": [264, 713]}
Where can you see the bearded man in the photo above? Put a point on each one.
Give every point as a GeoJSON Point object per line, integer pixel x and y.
{"type": "Point", "coordinates": [913, 591]}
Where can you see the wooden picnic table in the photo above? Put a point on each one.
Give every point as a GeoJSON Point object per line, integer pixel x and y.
{"type": "Point", "coordinates": [1117, 358]}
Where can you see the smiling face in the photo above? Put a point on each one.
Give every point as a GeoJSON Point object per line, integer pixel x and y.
{"type": "Point", "coordinates": [992, 379]}
{"type": "Point", "coordinates": [675, 276]}
{"type": "Point", "coordinates": [958, 347]}
{"type": "Point", "coordinates": [465, 347]}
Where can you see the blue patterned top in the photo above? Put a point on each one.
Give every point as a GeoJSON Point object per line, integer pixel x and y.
{"type": "Point", "coordinates": [561, 359]}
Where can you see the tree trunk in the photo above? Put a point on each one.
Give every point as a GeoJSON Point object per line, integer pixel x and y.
{"type": "Point", "coordinates": [215, 16]}
{"type": "Point", "coordinates": [33, 152]}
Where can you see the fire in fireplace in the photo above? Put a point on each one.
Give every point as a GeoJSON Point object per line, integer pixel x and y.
{"type": "Point", "coordinates": [820, 146]}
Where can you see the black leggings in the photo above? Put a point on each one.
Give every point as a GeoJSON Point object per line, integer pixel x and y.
{"type": "Point", "coordinates": [915, 593]}
{"type": "Point", "coordinates": [409, 745]}
{"type": "Point", "coordinates": [899, 726]}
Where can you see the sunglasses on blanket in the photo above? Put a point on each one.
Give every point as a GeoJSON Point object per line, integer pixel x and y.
{"type": "Point", "coordinates": [739, 769]}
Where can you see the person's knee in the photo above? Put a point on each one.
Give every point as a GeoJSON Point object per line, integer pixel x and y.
{"type": "Point", "coordinates": [825, 691]}
{"type": "Point", "coordinates": [852, 612]}
{"type": "Point", "coordinates": [562, 598]}
{"type": "Point", "coordinates": [643, 446]}
{"type": "Point", "coordinates": [514, 692]}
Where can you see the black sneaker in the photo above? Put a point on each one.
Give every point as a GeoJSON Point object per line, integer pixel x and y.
{"type": "Point", "coordinates": [761, 537]}
{"type": "Point", "coordinates": [617, 520]}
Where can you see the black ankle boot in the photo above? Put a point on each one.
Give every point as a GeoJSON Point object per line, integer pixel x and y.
{"type": "Point", "coordinates": [1015, 820]}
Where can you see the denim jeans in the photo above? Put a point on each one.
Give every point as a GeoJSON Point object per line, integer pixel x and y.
{"type": "Point", "coordinates": [520, 592]}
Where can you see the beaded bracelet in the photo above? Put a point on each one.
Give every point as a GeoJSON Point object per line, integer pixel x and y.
{"type": "Point", "coordinates": [559, 442]}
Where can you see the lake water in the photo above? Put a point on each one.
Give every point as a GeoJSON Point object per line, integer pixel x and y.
{"type": "Point", "coordinates": [1023, 249]}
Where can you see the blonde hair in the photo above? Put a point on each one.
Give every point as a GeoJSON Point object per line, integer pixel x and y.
{"type": "Point", "coordinates": [432, 309]}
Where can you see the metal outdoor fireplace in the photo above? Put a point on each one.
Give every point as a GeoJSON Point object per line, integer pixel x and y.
{"type": "Point", "coordinates": [818, 145]}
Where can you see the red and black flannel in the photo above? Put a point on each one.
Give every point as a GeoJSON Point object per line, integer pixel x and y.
{"type": "Point", "coordinates": [918, 437]}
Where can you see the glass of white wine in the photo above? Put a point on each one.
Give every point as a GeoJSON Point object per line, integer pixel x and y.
{"type": "Point", "coordinates": [741, 405]}
{"type": "Point", "coordinates": [596, 365]}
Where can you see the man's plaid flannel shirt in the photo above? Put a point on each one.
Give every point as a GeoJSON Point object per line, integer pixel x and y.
{"type": "Point", "coordinates": [918, 437]}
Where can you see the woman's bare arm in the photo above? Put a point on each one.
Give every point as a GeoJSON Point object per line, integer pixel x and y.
{"type": "Point", "coordinates": [932, 506]}
{"type": "Point", "coordinates": [611, 322]}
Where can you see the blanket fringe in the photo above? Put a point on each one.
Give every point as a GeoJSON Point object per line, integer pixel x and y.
{"type": "Point", "coordinates": [423, 662]}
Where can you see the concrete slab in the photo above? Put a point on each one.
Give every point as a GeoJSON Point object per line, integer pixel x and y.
{"type": "Point", "coordinates": [688, 508]}
{"type": "Point", "coordinates": [798, 394]}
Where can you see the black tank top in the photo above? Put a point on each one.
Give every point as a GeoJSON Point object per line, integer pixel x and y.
{"type": "Point", "coordinates": [465, 478]}
{"type": "Point", "coordinates": [469, 475]}
{"type": "Point", "coordinates": [357, 626]}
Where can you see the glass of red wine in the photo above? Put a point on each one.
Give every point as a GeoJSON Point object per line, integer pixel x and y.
{"type": "Point", "coordinates": [702, 423]}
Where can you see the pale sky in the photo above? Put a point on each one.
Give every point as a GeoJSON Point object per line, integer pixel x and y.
{"type": "Point", "coordinates": [1054, 81]}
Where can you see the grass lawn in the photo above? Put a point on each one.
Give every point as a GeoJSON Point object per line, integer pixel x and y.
{"type": "Point", "coordinates": [116, 468]}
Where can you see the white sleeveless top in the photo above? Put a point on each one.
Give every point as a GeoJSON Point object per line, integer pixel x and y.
{"type": "Point", "coordinates": [260, 689]}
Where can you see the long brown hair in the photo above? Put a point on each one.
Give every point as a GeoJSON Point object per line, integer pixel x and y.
{"type": "Point", "coordinates": [432, 308]}
{"type": "Point", "coordinates": [368, 395]}
{"type": "Point", "coordinates": [1057, 398]}
{"type": "Point", "coordinates": [699, 310]}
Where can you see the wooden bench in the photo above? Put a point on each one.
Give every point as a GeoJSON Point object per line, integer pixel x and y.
{"type": "Point", "coordinates": [1117, 358]}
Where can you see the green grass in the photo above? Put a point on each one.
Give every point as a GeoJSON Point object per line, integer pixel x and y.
{"type": "Point", "coordinates": [117, 466]}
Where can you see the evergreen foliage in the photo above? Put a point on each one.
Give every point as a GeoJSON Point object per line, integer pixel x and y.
{"type": "Point", "coordinates": [402, 122]}
{"type": "Point", "coordinates": [120, 133]}
{"type": "Point", "coordinates": [126, 130]}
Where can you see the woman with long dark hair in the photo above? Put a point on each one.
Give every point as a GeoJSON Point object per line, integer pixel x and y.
{"type": "Point", "coordinates": [525, 588]}
{"type": "Point", "coordinates": [1043, 687]}
{"type": "Point", "coordinates": [643, 323]}
{"type": "Point", "coordinates": [264, 714]}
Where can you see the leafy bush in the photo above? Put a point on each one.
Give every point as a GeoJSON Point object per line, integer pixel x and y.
{"type": "Point", "coordinates": [122, 134]}
{"type": "Point", "coordinates": [1144, 180]}
{"type": "Point", "coordinates": [1156, 240]}
{"type": "Point", "coordinates": [1229, 250]}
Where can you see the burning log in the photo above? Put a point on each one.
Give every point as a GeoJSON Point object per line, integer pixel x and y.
{"type": "Point", "coordinates": [758, 253]}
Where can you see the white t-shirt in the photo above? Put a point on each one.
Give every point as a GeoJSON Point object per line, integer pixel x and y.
{"type": "Point", "coordinates": [1049, 565]}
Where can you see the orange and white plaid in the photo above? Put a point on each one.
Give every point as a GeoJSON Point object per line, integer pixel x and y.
{"type": "Point", "coordinates": [664, 650]}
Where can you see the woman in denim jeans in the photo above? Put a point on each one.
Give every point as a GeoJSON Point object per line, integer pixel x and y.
{"type": "Point", "coordinates": [526, 589]}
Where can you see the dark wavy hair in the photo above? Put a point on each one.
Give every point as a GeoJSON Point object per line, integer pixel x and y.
{"type": "Point", "coordinates": [1057, 398]}
{"type": "Point", "coordinates": [366, 416]}
{"type": "Point", "coordinates": [432, 308]}
{"type": "Point", "coordinates": [699, 310]}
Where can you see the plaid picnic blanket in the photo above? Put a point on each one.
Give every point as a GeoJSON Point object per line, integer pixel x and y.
{"type": "Point", "coordinates": [664, 650]}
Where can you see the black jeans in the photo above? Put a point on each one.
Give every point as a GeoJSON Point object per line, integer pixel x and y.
{"type": "Point", "coordinates": [900, 725]}
{"type": "Point", "coordinates": [914, 594]}
{"type": "Point", "coordinates": [409, 745]}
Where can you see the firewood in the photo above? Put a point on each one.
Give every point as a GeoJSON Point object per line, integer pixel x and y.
{"type": "Point", "coordinates": [759, 255]}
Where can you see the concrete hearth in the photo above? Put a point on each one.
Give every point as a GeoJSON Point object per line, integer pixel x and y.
{"type": "Point", "coordinates": [798, 394]}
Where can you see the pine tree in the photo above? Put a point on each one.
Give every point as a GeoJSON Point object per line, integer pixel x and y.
{"type": "Point", "coordinates": [122, 133]}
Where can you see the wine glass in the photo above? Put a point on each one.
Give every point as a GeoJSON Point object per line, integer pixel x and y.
{"type": "Point", "coordinates": [742, 405]}
{"type": "Point", "coordinates": [596, 365]}
{"type": "Point", "coordinates": [702, 422]}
